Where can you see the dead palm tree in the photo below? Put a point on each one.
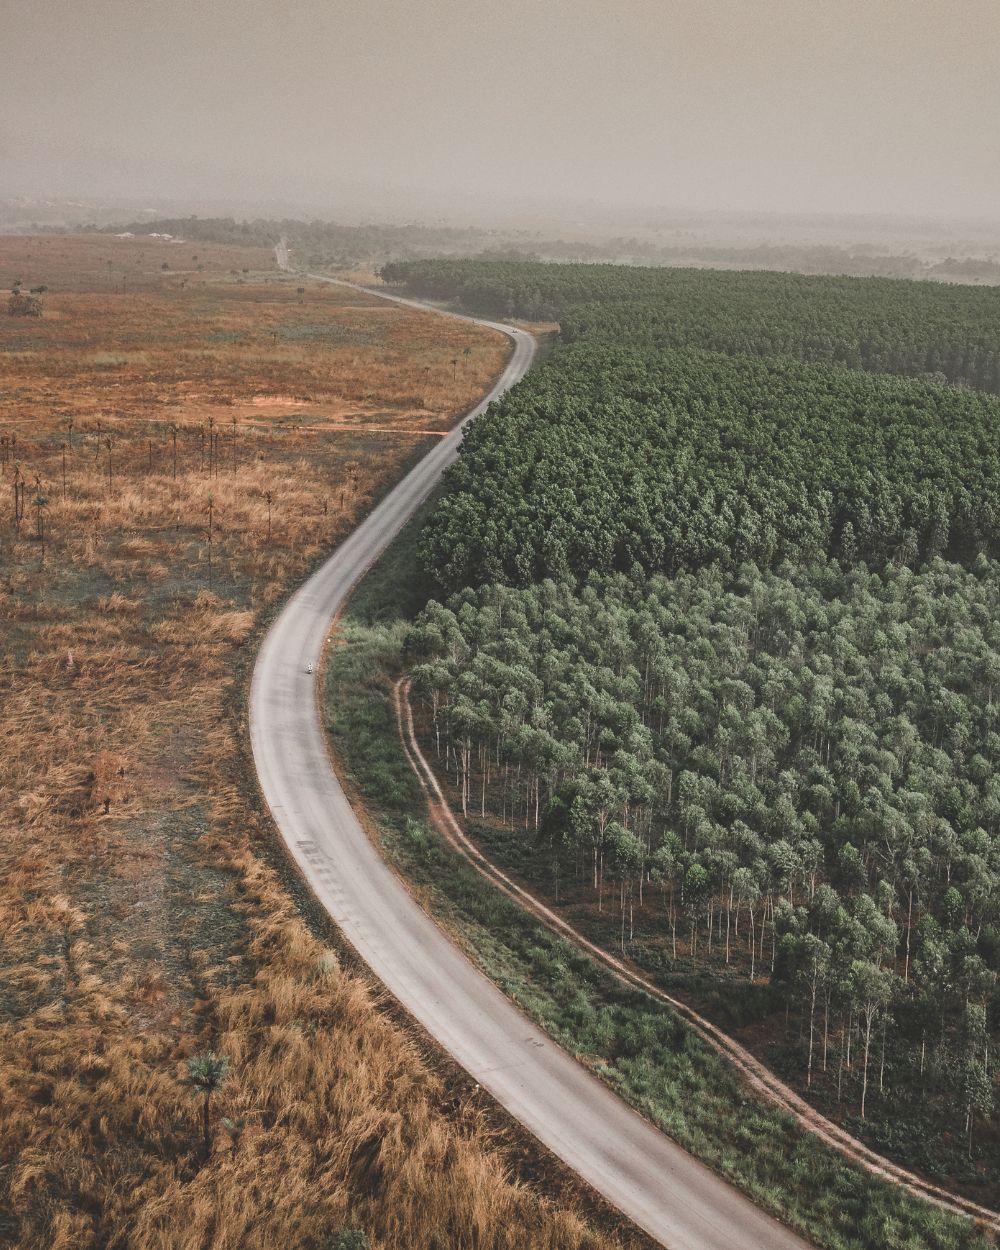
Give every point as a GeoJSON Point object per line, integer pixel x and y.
{"type": "Point", "coordinates": [211, 530]}
{"type": "Point", "coordinates": [38, 503]}
{"type": "Point", "coordinates": [211, 445]}
{"type": "Point", "coordinates": [18, 497]}
{"type": "Point", "coordinates": [41, 503]}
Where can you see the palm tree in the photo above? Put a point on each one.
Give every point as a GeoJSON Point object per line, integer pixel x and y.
{"type": "Point", "coordinates": [207, 1073]}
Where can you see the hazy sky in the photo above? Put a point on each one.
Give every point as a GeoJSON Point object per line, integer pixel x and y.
{"type": "Point", "coordinates": [858, 105]}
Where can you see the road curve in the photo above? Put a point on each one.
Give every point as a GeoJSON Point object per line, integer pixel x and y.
{"type": "Point", "coordinates": [666, 1192]}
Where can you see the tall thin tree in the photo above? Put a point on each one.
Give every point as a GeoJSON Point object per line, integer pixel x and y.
{"type": "Point", "coordinates": [207, 1073]}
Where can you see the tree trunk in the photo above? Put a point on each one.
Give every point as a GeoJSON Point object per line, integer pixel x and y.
{"type": "Point", "coordinates": [840, 1066]}
{"type": "Point", "coordinates": [864, 1063]}
{"type": "Point", "coordinates": [909, 917]}
{"type": "Point", "coordinates": [753, 946]}
{"type": "Point", "coordinates": [729, 917]}
{"type": "Point", "coordinates": [205, 1126]}
{"type": "Point", "coordinates": [673, 922]}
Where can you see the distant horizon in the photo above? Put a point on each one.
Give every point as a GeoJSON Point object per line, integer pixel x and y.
{"type": "Point", "coordinates": [479, 211]}
{"type": "Point", "coordinates": [860, 107]}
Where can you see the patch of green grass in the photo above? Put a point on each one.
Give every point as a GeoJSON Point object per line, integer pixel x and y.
{"type": "Point", "coordinates": [639, 1046]}
{"type": "Point", "coordinates": [325, 332]}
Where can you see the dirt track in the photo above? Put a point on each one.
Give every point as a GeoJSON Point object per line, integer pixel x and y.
{"type": "Point", "coordinates": [756, 1074]}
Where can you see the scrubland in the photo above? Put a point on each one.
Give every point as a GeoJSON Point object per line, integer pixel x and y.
{"type": "Point", "coordinates": [174, 458]}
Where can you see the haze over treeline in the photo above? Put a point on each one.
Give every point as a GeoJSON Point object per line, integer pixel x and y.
{"type": "Point", "coordinates": [856, 106]}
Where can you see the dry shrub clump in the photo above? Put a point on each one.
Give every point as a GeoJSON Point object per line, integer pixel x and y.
{"type": "Point", "coordinates": [331, 1115]}
{"type": "Point", "coordinates": [157, 493]}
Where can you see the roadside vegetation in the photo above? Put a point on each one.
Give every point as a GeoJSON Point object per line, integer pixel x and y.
{"type": "Point", "coordinates": [184, 1060]}
{"type": "Point", "coordinates": [725, 246]}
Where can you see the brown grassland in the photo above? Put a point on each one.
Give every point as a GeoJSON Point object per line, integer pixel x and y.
{"type": "Point", "coordinates": [183, 451]}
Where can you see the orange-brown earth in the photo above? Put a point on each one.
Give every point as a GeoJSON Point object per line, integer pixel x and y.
{"type": "Point", "coordinates": [174, 457]}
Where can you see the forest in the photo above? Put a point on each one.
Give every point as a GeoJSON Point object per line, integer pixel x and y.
{"type": "Point", "coordinates": [880, 324]}
{"type": "Point", "coordinates": [796, 767]}
{"type": "Point", "coordinates": [718, 645]}
{"type": "Point", "coordinates": [608, 458]}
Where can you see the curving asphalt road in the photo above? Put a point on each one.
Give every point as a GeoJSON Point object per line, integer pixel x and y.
{"type": "Point", "coordinates": [673, 1197]}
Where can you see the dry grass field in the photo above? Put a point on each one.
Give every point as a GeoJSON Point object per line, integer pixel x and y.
{"type": "Point", "coordinates": [174, 457]}
{"type": "Point", "coordinates": [104, 263]}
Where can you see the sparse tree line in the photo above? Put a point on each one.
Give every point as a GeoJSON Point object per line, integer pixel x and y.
{"type": "Point", "coordinates": [319, 242]}
{"type": "Point", "coordinates": [209, 448]}
{"type": "Point", "coordinates": [329, 243]}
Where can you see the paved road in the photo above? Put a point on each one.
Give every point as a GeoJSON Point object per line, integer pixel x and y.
{"type": "Point", "coordinates": [650, 1178]}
